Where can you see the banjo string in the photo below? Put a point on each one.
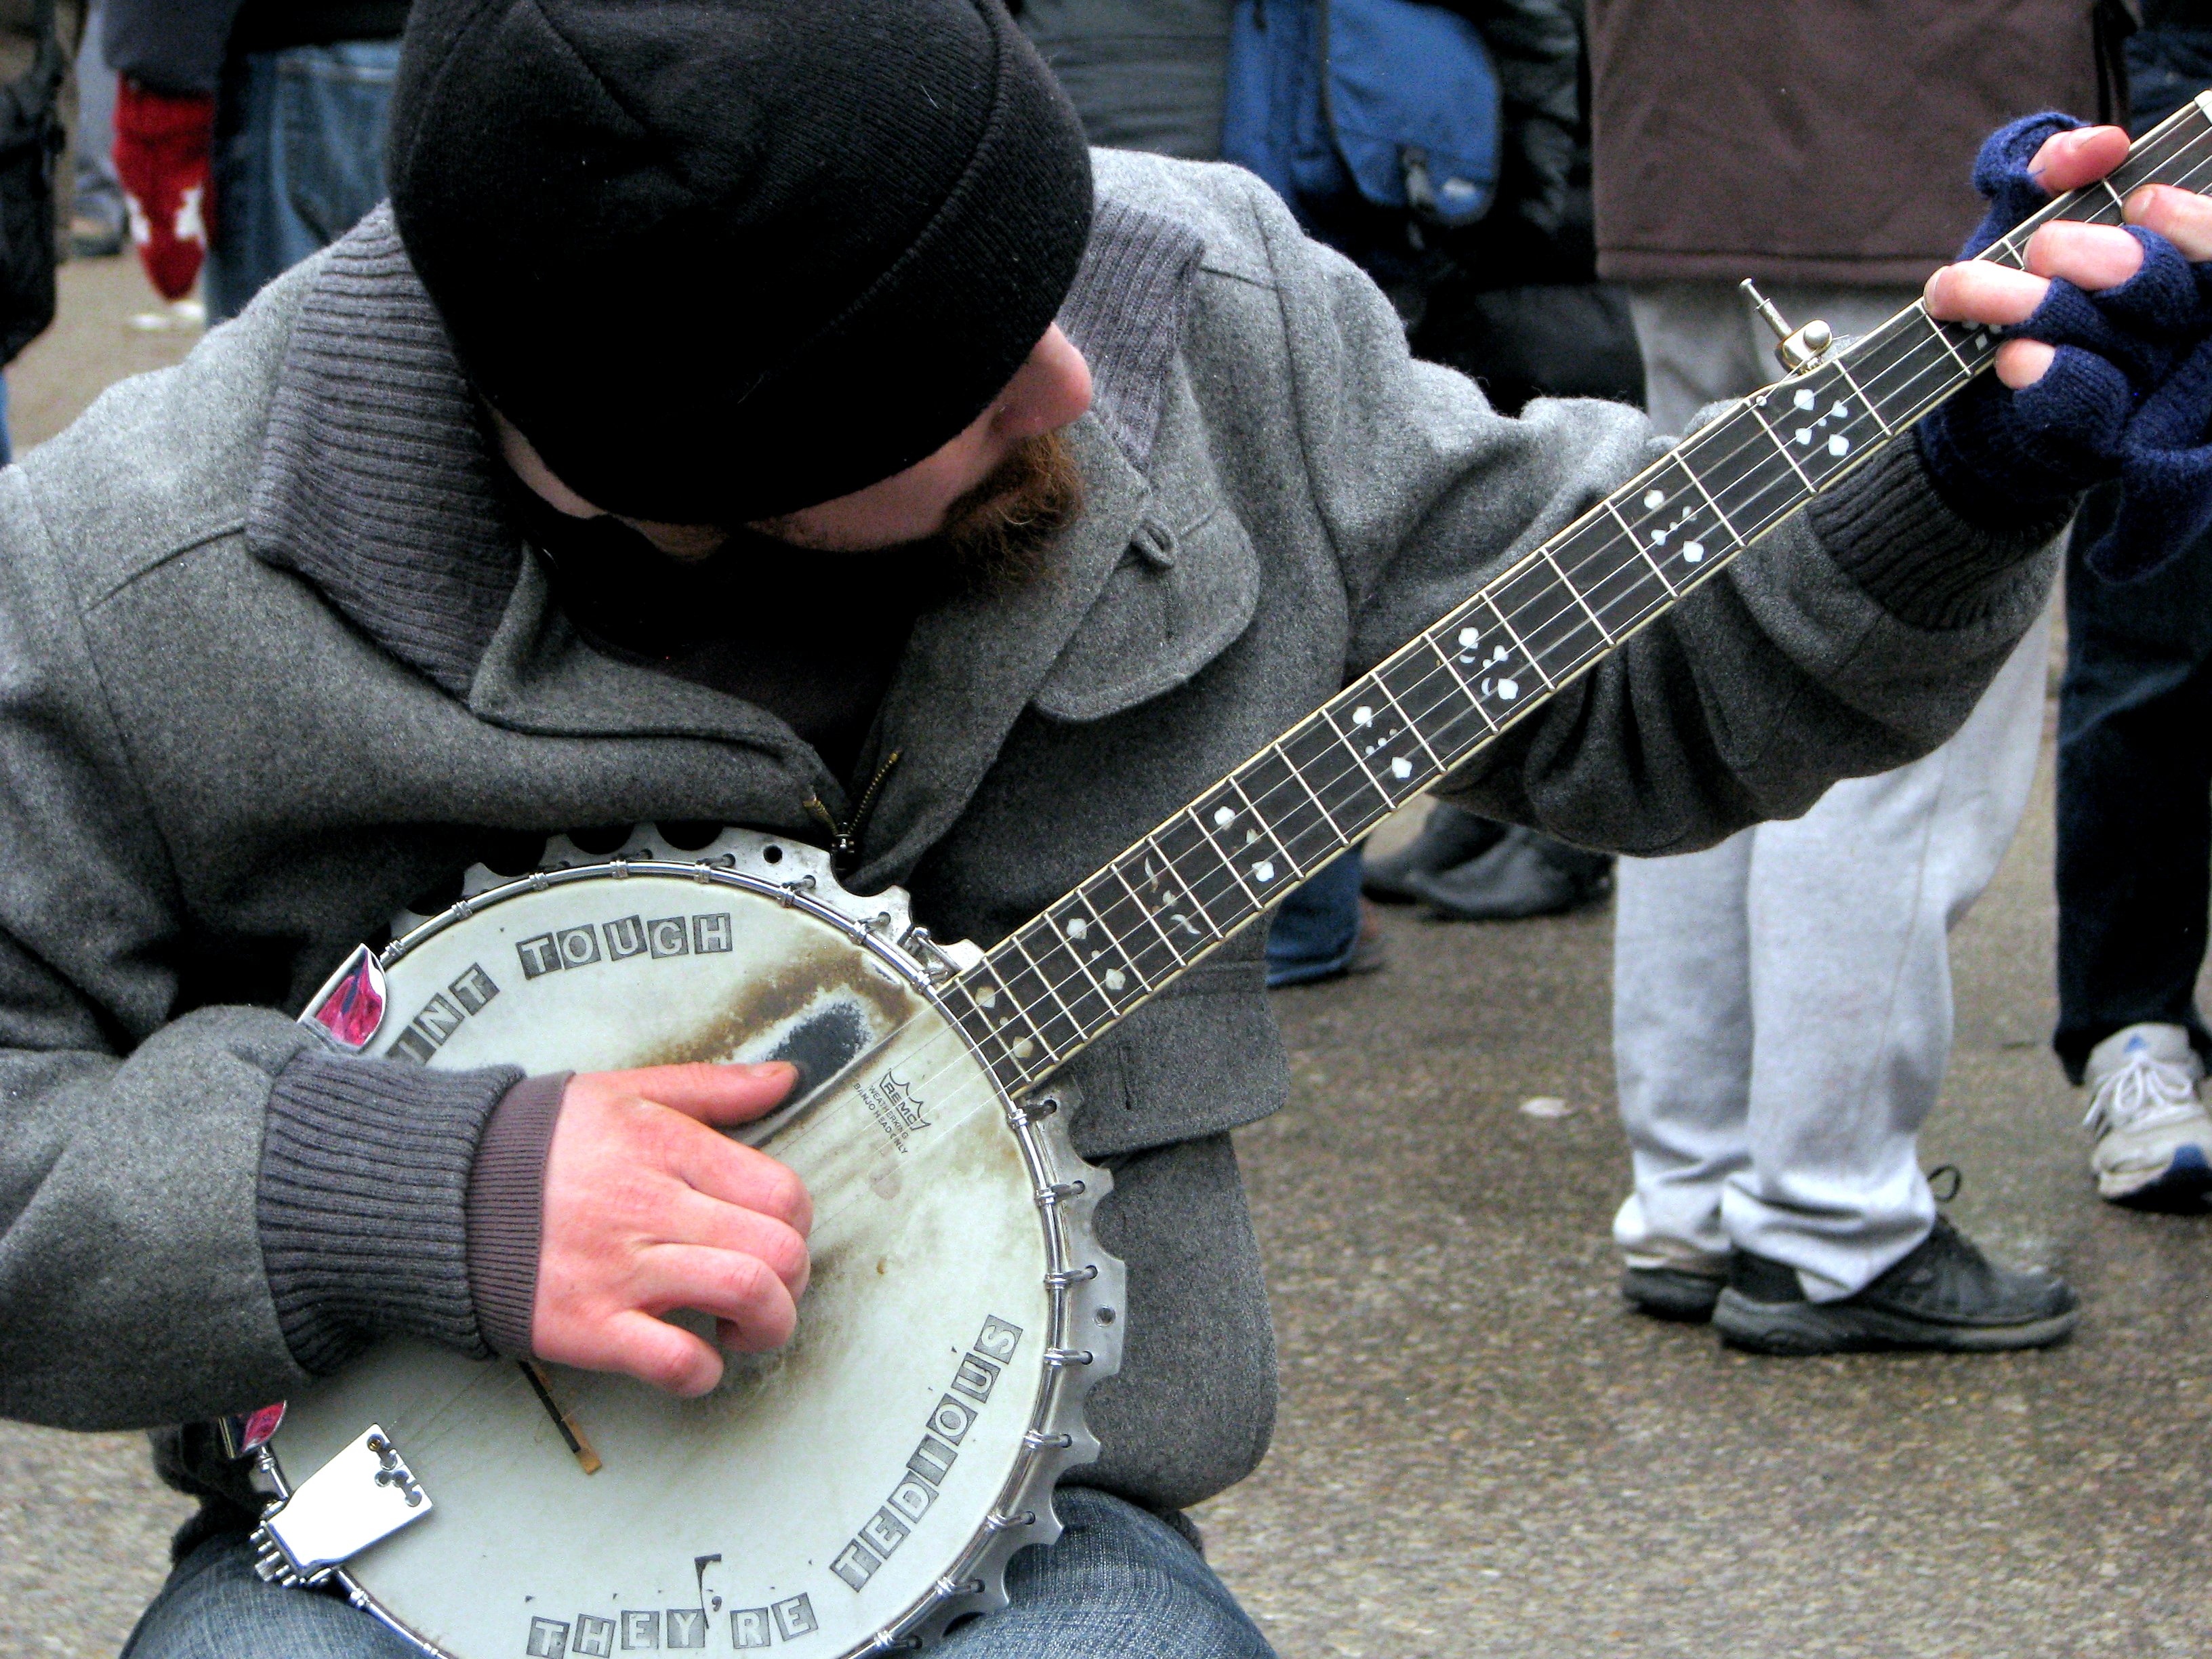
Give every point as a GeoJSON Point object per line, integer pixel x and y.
{"type": "Point", "coordinates": [1223, 884]}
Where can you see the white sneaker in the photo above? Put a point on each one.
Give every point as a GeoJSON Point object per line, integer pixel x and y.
{"type": "Point", "coordinates": [2153, 1142]}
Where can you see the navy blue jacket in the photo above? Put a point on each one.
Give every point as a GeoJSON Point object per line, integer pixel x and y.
{"type": "Point", "coordinates": [179, 46]}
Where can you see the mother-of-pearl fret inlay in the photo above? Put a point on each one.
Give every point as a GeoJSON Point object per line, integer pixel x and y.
{"type": "Point", "coordinates": [1127, 932]}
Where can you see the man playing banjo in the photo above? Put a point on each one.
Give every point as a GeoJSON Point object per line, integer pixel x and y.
{"type": "Point", "coordinates": [764, 414]}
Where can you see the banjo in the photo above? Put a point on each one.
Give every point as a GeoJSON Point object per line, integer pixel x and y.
{"type": "Point", "coordinates": [864, 1487]}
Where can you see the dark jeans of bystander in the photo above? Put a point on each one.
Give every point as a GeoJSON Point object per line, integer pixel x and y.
{"type": "Point", "coordinates": [2135, 794]}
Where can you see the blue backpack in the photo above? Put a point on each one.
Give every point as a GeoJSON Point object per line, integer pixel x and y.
{"type": "Point", "coordinates": [1394, 102]}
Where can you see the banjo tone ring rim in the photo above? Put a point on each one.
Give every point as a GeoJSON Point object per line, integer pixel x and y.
{"type": "Point", "coordinates": [1058, 1437]}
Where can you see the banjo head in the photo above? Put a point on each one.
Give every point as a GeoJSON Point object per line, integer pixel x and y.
{"type": "Point", "coordinates": [863, 1485]}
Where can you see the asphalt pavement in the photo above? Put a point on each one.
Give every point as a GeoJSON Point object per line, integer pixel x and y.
{"type": "Point", "coordinates": [1481, 1452]}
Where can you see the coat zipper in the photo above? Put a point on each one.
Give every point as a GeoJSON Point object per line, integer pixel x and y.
{"type": "Point", "coordinates": [845, 838]}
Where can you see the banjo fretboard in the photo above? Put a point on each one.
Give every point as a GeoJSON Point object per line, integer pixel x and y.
{"type": "Point", "coordinates": [1122, 934]}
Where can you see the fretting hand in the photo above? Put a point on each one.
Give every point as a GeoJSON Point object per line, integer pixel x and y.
{"type": "Point", "coordinates": [649, 1209]}
{"type": "Point", "coordinates": [2107, 371]}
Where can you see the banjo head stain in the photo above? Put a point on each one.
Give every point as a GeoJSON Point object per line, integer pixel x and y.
{"type": "Point", "coordinates": [824, 1495]}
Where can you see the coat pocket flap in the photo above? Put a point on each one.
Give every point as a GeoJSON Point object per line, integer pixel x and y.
{"type": "Point", "coordinates": [1202, 1057]}
{"type": "Point", "coordinates": [1174, 604]}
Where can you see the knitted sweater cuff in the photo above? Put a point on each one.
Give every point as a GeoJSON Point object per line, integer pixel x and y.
{"type": "Point", "coordinates": [506, 1209]}
{"type": "Point", "coordinates": [362, 1202]}
{"type": "Point", "coordinates": [1891, 532]}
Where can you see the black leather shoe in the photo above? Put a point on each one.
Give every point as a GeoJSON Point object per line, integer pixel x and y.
{"type": "Point", "coordinates": [1449, 836]}
{"type": "Point", "coordinates": [1945, 1295]}
{"type": "Point", "coordinates": [1525, 874]}
{"type": "Point", "coordinates": [1671, 1292]}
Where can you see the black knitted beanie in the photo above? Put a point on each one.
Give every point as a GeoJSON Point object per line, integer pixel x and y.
{"type": "Point", "coordinates": [722, 259]}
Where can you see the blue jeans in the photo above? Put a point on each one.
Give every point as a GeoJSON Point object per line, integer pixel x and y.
{"type": "Point", "coordinates": [2135, 794]}
{"type": "Point", "coordinates": [299, 159]}
{"type": "Point", "coordinates": [1120, 1582]}
{"type": "Point", "coordinates": [1315, 933]}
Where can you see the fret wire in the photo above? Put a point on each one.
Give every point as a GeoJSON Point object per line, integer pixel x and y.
{"type": "Point", "coordinates": [1672, 592]}
{"type": "Point", "coordinates": [1074, 992]}
{"type": "Point", "coordinates": [1766, 465]}
{"type": "Point", "coordinates": [1312, 795]}
{"type": "Point", "coordinates": [1006, 1055]}
{"type": "Point", "coordinates": [1782, 448]}
{"type": "Point", "coordinates": [1561, 617]}
{"type": "Point", "coordinates": [1265, 828]}
{"type": "Point", "coordinates": [1911, 376]}
{"type": "Point", "coordinates": [1359, 759]}
{"type": "Point", "coordinates": [1239, 910]}
{"type": "Point", "coordinates": [1527, 655]}
{"type": "Point", "coordinates": [1698, 484]}
{"type": "Point", "coordinates": [1353, 781]}
{"type": "Point", "coordinates": [1081, 966]}
{"type": "Point", "coordinates": [2182, 182]}
{"type": "Point", "coordinates": [981, 1021]}
{"type": "Point", "coordinates": [1911, 370]}
{"type": "Point", "coordinates": [1916, 369]}
{"type": "Point", "coordinates": [1130, 937]}
{"type": "Point", "coordinates": [1916, 373]}
{"type": "Point", "coordinates": [1637, 600]}
{"type": "Point", "coordinates": [1036, 1030]}
{"type": "Point", "coordinates": [1114, 938]}
{"type": "Point", "coordinates": [1634, 541]}
{"type": "Point", "coordinates": [1892, 361]}
{"type": "Point", "coordinates": [1599, 549]}
{"type": "Point", "coordinates": [1445, 705]}
{"type": "Point", "coordinates": [1412, 725]}
{"type": "Point", "coordinates": [1760, 455]}
{"type": "Point", "coordinates": [1222, 853]}
{"type": "Point", "coordinates": [1865, 401]}
{"type": "Point", "coordinates": [1964, 367]}
{"type": "Point", "coordinates": [1451, 668]}
{"type": "Point", "coordinates": [1181, 961]}
{"type": "Point", "coordinates": [1612, 508]}
{"type": "Point", "coordinates": [1946, 384]}
{"type": "Point", "coordinates": [1748, 455]}
{"type": "Point", "coordinates": [1575, 593]}
{"type": "Point", "coordinates": [1183, 881]}
{"type": "Point", "coordinates": [1302, 831]}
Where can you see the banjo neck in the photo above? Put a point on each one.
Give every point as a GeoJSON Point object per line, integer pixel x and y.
{"type": "Point", "coordinates": [1124, 934]}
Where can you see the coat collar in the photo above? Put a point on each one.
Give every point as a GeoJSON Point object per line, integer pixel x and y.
{"type": "Point", "coordinates": [379, 486]}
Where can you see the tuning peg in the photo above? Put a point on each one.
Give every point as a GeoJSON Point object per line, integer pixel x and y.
{"type": "Point", "coordinates": [1794, 349]}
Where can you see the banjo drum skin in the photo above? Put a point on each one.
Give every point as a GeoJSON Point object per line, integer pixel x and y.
{"type": "Point", "coordinates": [857, 1489]}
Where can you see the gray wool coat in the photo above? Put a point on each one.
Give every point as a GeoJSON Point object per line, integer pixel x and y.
{"type": "Point", "coordinates": [271, 662]}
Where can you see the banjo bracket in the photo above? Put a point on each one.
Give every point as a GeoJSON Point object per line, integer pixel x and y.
{"type": "Point", "coordinates": [940, 963]}
{"type": "Point", "coordinates": [364, 1494]}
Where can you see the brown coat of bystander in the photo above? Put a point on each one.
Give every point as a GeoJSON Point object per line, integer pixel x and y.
{"type": "Point", "coordinates": [1825, 140]}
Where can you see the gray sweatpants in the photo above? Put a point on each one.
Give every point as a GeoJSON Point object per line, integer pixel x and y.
{"type": "Point", "coordinates": [1782, 1002]}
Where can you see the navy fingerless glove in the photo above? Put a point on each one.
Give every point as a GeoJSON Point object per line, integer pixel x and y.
{"type": "Point", "coordinates": [2128, 394]}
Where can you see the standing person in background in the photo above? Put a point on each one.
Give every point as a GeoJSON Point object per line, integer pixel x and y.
{"type": "Point", "coordinates": [248, 133]}
{"type": "Point", "coordinates": [38, 45]}
{"type": "Point", "coordinates": [98, 222]}
{"type": "Point", "coordinates": [2135, 788]}
{"type": "Point", "coordinates": [1503, 297]}
{"type": "Point", "coordinates": [1519, 307]}
{"type": "Point", "coordinates": [1782, 1001]}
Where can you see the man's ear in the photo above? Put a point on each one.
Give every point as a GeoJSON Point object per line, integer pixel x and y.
{"type": "Point", "coordinates": [522, 458]}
